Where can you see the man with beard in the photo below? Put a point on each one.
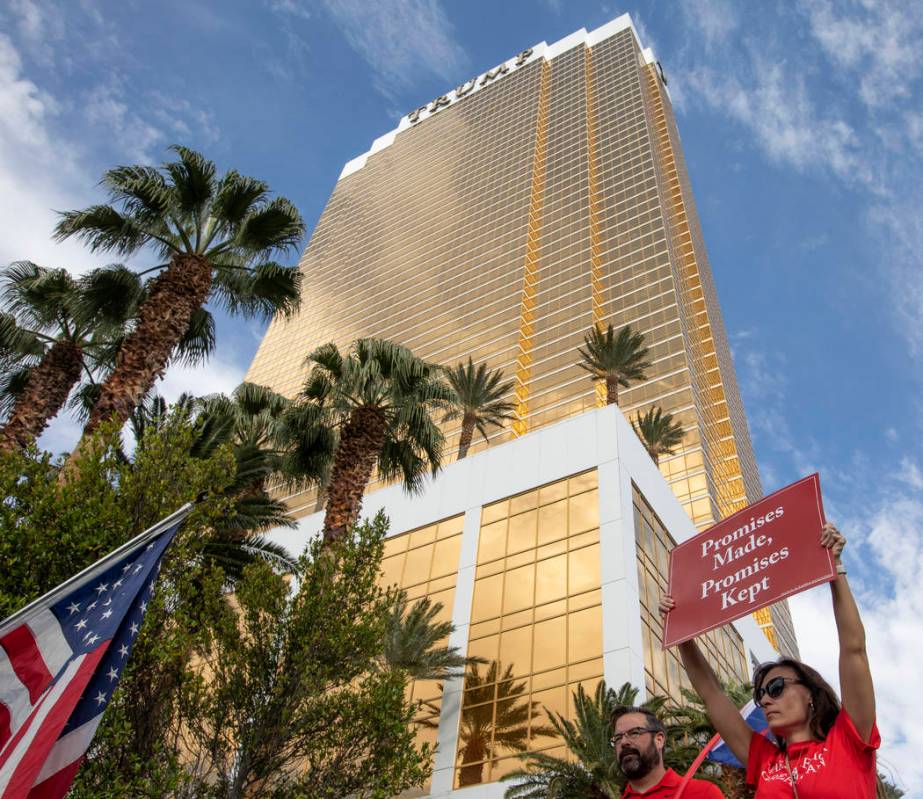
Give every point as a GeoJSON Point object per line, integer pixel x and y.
{"type": "Point", "coordinates": [638, 737]}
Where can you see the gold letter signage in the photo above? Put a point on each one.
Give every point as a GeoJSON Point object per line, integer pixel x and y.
{"type": "Point", "coordinates": [466, 88]}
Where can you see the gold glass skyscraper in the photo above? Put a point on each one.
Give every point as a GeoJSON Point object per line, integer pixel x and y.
{"type": "Point", "coordinates": [502, 221]}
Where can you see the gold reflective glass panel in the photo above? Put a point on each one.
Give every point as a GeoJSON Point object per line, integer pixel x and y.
{"type": "Point", "coordinates": [424, 562]}
{"type": "Point", "coordinates": [723, 647]}
{"type": "Point", "coordinates": [536, 621]}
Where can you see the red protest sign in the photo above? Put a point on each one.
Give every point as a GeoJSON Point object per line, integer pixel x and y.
{"type": "Point", "coordinates": [761, 554]}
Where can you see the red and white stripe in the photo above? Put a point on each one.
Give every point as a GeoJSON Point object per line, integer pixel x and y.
{"type": "Point", "coordinates": [40, 683]}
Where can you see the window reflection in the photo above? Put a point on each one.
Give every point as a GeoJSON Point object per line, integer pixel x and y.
{"type": "Point", "coordinates": [536, 619]}
{"type": "Point", "coordinates": [491, 727]}
{"type": "Point", "coordinates": [424, 562]}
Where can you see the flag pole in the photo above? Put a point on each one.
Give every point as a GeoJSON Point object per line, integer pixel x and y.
{"type": "Point", "coordinates": [61, 590]}
{"type": "Point", "coordinates": [690, 773]}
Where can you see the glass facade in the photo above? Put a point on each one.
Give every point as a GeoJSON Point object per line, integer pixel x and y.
{"type": "Point", "coordinates": [536, 622]}
{"type": "Point", "coordinates": [503, 227]}
{"type": "Point", "coordinates": [663, 671]}
{"type": "Point", "coordinates": [424, 562]}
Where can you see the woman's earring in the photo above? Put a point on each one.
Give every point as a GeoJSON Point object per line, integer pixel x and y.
{"type": "Point", "coordinates": [811, 704]}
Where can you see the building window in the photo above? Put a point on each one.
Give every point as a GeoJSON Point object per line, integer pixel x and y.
{"type": "Point", "coordinates": [424, 562]}
{"type": "Point", "coordinates": [723, 647]}
{"type": "Point", "coordinates": [536, 621]}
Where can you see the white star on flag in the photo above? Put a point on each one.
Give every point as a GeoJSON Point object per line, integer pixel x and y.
{"type": "Point", "coordinates": [73, 607]}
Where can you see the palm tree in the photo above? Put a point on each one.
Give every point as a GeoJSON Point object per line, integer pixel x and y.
{"type": "Point", "coordinates": [216, 236]}
{"type": "Point", "coordinates": [478, 400]}
{"type": "Point", "coordinates": [658, 432]}
{"type": "Point", "coordinates": [371, 408]}
{"type": "Point", "coordinates": [413, 641]}
{"type": "Point", "coordinates": [47, 343]}
{"type": "Point", "coordinates": [483, 734]}
{"type": "Point", "coordinates": [235, 539]}
{"type": "Point", "coordinates": [254, 413]}
{"type": "Point", "coordinates": [595, 773]}
{"type": "Point", "coordinates": [615, 359]}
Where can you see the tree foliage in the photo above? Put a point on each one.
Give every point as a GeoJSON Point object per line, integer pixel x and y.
{"type": "Point", "coordinates": [477, 399]}
{"type": "Point", "coordinates": [618, 359]}
{"type": "Point", "coordinates": [294, 685]}
{"type": "Point", "coordinates": [658, 431]}
{"type": "Point", "coordinates": [292, 699]}
{"type": "Point", "coordinates": [370, 408]}
{"type": "Point", "coordinates": [216, 237]}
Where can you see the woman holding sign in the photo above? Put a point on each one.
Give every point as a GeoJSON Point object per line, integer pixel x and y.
{"type": "Point", "coordinates": [821, 748]}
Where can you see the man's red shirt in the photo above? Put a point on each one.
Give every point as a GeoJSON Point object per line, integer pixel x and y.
{"type": "Point", "coordinates": [666, 789]}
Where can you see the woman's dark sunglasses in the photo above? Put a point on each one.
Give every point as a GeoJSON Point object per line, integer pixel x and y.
{"type": "Point", "coordinates": [773, 688]}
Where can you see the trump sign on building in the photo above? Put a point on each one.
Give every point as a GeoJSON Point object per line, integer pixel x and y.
{"type": "Point", "coordinates": [763, 553]}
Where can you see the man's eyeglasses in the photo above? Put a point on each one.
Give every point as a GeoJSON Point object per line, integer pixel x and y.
{"type": "Point", "coordinates": [632, 735]}
{"type": "Point", "coordinates": [774, 688]}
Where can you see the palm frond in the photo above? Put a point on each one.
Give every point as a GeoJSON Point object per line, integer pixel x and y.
{"type": "Point", "coordinates": [109, 295]}
{"type": "Point", "coordinates": [235, 196]}
{"type": "Point", "coordinates": [12, 384]}
{"type": "Point", "coordinates": [276, 226]}
{"type": "Point", "coordinates": [412, 641]}
{"type": "Point", "coordinates": [102, 227]}
{"type": "Point", "coordinates": [193, 181]}
{"type": "Point", "coordinates": [199, 342]}
{"type": "Point", "coordinates": [607, 355]}
{"type": "Point", "coordinates": [658, 431]}
{"type": "Point", "coordinates": [267, 289]}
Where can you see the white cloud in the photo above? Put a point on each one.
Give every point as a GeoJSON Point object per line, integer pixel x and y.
{"type": "Point", "coordinates": [889, 540]}
{"type": "Point", "coordinates": [218, 375]}
{"type": "Point", "coordinates": [774, 104]}
{"type": "Point", "coordinates": [106, 108]}
{"type": "Point", "coordinates": [38, 171]}
{"type": "Point", "coordinates": [715, 20]}
{"type": "Point", "coordinates": [878, 39]}
{"type": "Point", "coordinates": [400, 40]}
{"type": "Point", "coordinates": [898, 227]}
{"type": "Point", "coordinates": [40, 24]}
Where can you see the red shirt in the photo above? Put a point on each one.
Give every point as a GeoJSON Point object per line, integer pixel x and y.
{"type": "Point", "coordinates": [840, 767]}
{"type": "Point", "coordinates": [666, 788]}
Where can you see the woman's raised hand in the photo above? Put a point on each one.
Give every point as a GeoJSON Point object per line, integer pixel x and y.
{"type": "Point", "coordinates": [666, 605]}
{"type": "Point", "coordinates": [832, 539]}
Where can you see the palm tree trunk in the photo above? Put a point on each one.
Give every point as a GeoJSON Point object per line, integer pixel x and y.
{"type": "Point", "coordinates": [472, 767]}
{"type": "Point", "coordinates": [163, 320]}
{"type": "Point", "coordinates": [360, 444]}
{"type": "Point", "coordinates": [467, 431]}
{"type": "Point", "coordinates": [612, 390]}
{"type": "Point", "coordinates": [47, 389]}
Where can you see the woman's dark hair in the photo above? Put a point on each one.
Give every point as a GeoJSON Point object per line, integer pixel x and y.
{"type": "Point", "coordinates": [826, 703]}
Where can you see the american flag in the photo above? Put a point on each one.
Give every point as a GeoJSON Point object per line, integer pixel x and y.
{"type": "Point", "coordinates": [60, 661]}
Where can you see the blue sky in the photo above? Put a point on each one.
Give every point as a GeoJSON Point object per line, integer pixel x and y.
{"type": "Point", "coordinates": [802, 124]}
